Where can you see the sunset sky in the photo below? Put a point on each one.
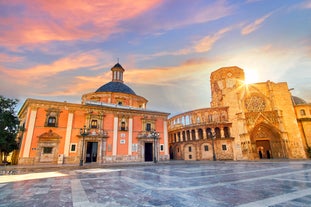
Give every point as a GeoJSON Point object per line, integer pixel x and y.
{"type": "Point", "coordinates": [59, 50]}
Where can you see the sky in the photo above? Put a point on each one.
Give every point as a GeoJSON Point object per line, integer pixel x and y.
{"type": "Point", "coordinates": [59, 50]}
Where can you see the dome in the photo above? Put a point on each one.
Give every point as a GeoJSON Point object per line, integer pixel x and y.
{"type": "Point", "coordinates": [115, 87]}
{"type": "Point", "coordinates": [296, 100]}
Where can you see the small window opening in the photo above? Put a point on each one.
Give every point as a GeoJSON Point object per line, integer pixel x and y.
{"type": "Point", "coordinates": [52, 121]}
{"type": "Point", "coordinates": [47, 150]}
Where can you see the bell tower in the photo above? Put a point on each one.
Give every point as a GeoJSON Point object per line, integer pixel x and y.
{"type": "Point", "coordinates": [117, 73]}
{"type": "Point", "coordinates": [224, 84]}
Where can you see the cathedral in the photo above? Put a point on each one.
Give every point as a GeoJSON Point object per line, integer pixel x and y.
{"type": "Point", "coordinates": [245, 122]}
{"type": "Point", "coordinates": [111, 125]}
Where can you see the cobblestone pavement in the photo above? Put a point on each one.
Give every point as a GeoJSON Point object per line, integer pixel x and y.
{"type": "Point", "coordinates": [184, 184]}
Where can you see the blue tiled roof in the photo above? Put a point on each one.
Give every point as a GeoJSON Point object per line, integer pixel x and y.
{"type": "Point", "coordinates": [115, 87]}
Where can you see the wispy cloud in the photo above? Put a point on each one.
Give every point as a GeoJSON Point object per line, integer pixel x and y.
{"type": "Point", "coordinates": [5, 58]}
{"type": "Point", "coordinates": [39, 73]}
{"type": "Point", "coordinates": [170, 16]}
{"type": "Point", "coordinates": [206, 43]}
{"type": "Point", "coordinates": [254, 25]}
{"type": "Point", "coordinates": [305, 5]}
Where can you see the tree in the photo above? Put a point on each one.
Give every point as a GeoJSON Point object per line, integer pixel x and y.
{"type": "Point", "coordinates": [8, 127]}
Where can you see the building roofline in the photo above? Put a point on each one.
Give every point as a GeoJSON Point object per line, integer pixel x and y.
{"type": "Point", "coordinates": [104, 105]}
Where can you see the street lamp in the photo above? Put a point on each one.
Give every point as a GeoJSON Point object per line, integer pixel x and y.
{"type": "Point", "coordinates": [83, 132]}
{"type": "Point", "coordinates": [155, 136]}
{"type": "Point", "coordinates": [213, 136]}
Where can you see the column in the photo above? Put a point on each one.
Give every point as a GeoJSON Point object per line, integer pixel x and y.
{"type": "Point", "coordinates": [165, 138]}
{"type": "Point", "coordinates": [30, 130]}
{"type": "Point", "coordinates": [68, 134]}
{"type": "Point", "coordinates": [115, 136]}
{"type": "Point", "coordinates": [222, 132]}
{"type": "Point", "coordinates": [130, 140]}
{"type": "Point", "coordinates": [204, 134]}
{"type": "Point", "coordinates": [196, 134]}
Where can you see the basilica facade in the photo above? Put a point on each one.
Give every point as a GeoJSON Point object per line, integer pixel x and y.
{"type": "Point", "coordinates": [111, 124]}
{"type": "Point", "coordinates": [244, 122]}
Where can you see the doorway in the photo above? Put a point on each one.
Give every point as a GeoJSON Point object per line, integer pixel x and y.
{"type": "Point", "coordinates": [91, 152]}
{"type": "Point", "coordinates": [148, 152]}
{"type": "Point", "coordinates": [263, 149]}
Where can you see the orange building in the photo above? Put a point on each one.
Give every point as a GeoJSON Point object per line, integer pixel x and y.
{"type": "Point", "coordinates": [111, 124]}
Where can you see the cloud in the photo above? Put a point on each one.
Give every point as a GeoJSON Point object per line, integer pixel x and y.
{"type": "Point", "coordinates": [27, 23]}
{"type": "Point", "coordinates": [5, 58]}
{"type": "Point", "coordinates": [171, 15]}
{"type": "Point", "coordinates": [255, 25]}
{"type": "Point", "coordinates": [206, 43]}
{"type": "Point", "coordinates": [39, 74]}
{"type": "Point", "coordinates": [305, 5]}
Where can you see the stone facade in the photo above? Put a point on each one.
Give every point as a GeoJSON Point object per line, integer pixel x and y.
{"type": "Point", "coordinates": [260, 120]}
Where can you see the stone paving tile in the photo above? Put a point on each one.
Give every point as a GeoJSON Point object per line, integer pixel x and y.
{"type": "Point", "coordinates": [189, 184]}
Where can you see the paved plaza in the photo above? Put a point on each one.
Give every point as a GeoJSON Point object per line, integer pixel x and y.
{"type": "Point", "coordinates": [251, 184]}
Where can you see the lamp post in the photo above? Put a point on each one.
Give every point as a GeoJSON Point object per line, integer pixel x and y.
{"type": "Point", "coordinates": [155, 136]}
{"type": "Point", "coordinates": [213, 136]}
{"type": "Point", "coordinates": [83, 132]}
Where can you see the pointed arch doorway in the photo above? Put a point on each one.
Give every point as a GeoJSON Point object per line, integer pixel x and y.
{"type": "Point", "coordinates": [267, 142]}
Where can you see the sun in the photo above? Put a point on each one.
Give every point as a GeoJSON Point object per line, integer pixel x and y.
{"type": "Point", "coordinates": [251, 76]}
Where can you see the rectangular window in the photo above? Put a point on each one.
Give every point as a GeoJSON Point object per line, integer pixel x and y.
{"type": "Point", "coordinates": [94, 124]}
{"type": "Point", "coordinates": [73, 147]}
{"type": "Point", "coordinates": [161, 147]}
{"type": "Point", "coordinates": [189, 149]}
{"type": "Point", "coordinates": [148, 127]}
{"type": "Point", "coordinates": [190, 157]}
{"type": "Point", "coordinates": [224, 147]}
{"type": "Point", "coordinates": [51, 121]}
{"type": "Point", "coordinates": [123, 128]}
{"type": "Point", "coordinates": [206, 147]}
{"type": "Point", "coordinates": [47, 150]}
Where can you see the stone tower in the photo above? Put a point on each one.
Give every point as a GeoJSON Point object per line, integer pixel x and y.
{"type": "Point", "coordinates": [226, 84]}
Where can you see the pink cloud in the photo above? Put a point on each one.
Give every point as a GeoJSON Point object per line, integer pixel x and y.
{"type": "Point", "coordinates": [255, 25]}
{"type": "Point", "coordinates": [37, 74]}
{"type": "Point", "coordinates": [5, 58]}
{"type": "Point", "coordinates": [44, 21]}
{"type": "Point", "coordinates": [206, 43]}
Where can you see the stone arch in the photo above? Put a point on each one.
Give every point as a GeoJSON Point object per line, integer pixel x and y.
{"type": "Point", "coordinates": [200, 133]}
{"type": "Point", "coordinates": [266, 142]}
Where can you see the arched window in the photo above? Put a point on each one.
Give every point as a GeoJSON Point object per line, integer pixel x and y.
{"type": "Point", "coordinates": [302, 112]}
{"type": "Point", "coordinates": [123, 125]}
{"type": "Point", "coordinates": [193, 134]}
{"type": "Point", "coordinates": [227, 132]}
{"type": "Point", "coordinates": [200, 133]}
{"type": "Point", "coordinates": [217, 131]}
{"type": "Point", "coordinates": [209, 133]}
{"type": "Point", "coordinates": [210, 118]}
{"type": "Point", "coordinates": [52, 121]}
{"type": "Point", "coordinates": [188, 135]}
{"type": "Point", "coordinates": [184, 136]}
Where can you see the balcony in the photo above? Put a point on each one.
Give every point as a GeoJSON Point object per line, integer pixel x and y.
{"type": "Point", "coordinates": [147, 135]}
{"type": "Point", "coordinates": [98, 133]}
